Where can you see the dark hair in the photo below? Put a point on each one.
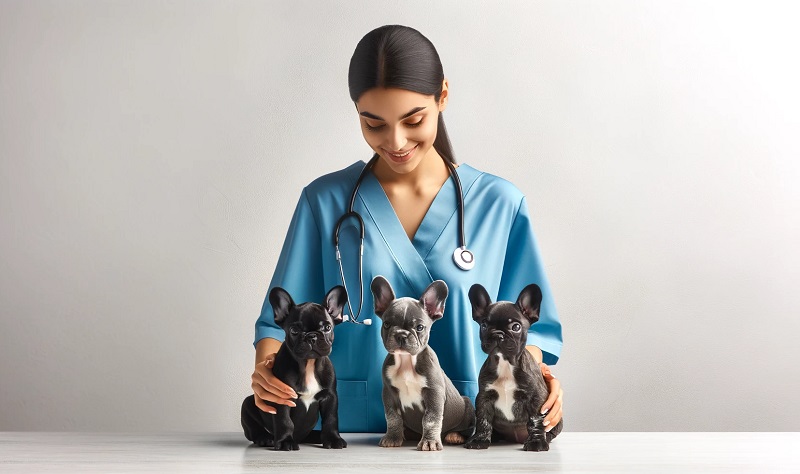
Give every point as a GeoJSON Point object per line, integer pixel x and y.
{"type": "Point", "coordinates": [400, 57]}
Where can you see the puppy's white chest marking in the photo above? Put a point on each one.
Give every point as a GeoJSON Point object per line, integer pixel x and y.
{"type": "Point", "coordinates": [406, 380]}
{"type": "Point", "coordinates": [312, 385]}
{"type": "Point", "coordinates": [505, 385]}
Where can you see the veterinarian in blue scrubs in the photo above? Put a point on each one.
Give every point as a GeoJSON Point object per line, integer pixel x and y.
{"type": "Point", "coordinates": [410, 211]}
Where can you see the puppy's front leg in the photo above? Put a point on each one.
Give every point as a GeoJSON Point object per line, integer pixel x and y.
{"type": "Point", "coordinates": [537, 440]}
{"type": "Point", "coordinates": [432, 419]}
{"type": "Point", "coordinates": [284, 430]}
{"type": "Point", "coordinates": [484, 417]}
{"type": "Point", "coordinates": [329, 409]}
{"type": "Point", "coordinates": [394, 418]}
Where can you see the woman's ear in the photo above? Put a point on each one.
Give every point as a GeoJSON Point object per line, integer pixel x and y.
{"type": "Point", "coordinates": [444, 96]}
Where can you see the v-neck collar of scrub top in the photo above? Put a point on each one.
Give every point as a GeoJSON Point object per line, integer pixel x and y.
{"type": "Point", "coordinates": [411, 254]}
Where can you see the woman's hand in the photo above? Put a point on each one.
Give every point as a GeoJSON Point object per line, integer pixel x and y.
{"type": "Point", "coordinates": [267, 387]}
{"type": "Point", "coordinates": [553, 405]}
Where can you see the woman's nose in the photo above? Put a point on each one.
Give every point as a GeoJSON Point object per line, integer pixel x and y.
{"type": "Point", "coordinates": [397, 140]}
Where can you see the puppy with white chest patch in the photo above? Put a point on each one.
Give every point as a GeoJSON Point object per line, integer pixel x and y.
{"type": "Point", "coordinates": [511, 386]}
{"type": "Point", "coordinates": [302, 363]}
{"type": "Point", "coordinates": [417, 395]}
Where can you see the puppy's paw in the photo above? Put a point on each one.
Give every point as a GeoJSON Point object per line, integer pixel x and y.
{"type": "Point", "coordinates": [334, 443]}
{"type": "Point", "coordinates": [266, 442]}
{"type": "Point", "coordinates": [536, 445]}
{"type": "Point", "coordinates": [429, 445]}
{"type": "Point", "coordinates": [287, 444]}
{"type": "Point", "coordinates": [389, 441]}
{"type": "Point", "coordinates": [477, 443]}
{"type": "Point", "coordinates": [454, 437]}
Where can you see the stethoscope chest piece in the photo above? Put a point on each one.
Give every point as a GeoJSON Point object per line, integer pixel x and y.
{"type": "Point", "coordinates": [464, 259]}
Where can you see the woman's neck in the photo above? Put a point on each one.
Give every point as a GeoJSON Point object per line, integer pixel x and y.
{"type": "Point", "coordinates": [431, 169]}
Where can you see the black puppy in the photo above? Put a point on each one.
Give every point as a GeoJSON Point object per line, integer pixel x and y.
{"type": "Point", "coordinates": [302, 363]}
{"type": "Point", "coordinates": [511, 387]}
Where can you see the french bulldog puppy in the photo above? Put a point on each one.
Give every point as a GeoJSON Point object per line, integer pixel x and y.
{"type": "Point", "coordinates": [511, 389]}
{"type": "Point", "coordinates": [417, 395]}
{"type": "Point", "coordinates": [302, 363]}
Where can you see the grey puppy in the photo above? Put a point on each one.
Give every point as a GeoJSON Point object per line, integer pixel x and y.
{"type": "Point", "coordinates": [511, 386]}
{"type": "Point", "coordinates": [417, 395]}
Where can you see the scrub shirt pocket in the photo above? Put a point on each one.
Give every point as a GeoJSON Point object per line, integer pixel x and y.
{"type": "Point", "coordinates": [352, 406]}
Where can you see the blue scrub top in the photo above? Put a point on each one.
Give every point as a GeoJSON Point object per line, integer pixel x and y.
{"type": "Point", "coordinates": [498, 230]}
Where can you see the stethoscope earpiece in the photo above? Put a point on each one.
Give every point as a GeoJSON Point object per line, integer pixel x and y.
{"type": "Point", "coordinates": [366, 322]}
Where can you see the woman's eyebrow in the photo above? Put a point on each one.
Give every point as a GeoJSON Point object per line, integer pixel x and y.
{"type": "Point", "coordinates": [407, 114]}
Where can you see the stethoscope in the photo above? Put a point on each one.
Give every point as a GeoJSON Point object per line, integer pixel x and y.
{"type": "Point", "coordinates": [463, 258]}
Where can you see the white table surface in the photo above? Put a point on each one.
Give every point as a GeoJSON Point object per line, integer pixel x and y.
{"type": "Point", "coordinates": [28, 452]}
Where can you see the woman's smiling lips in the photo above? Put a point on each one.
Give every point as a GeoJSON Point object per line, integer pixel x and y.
{"type": "Point", "coordinates": [401, 157]}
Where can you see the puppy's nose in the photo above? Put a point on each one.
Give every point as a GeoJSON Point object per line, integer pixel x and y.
{"type": "Point", "coordinates": [312, 338]}
{"type": "Point", "coordinates": [499, 335]}
{"type": "Point", "coordinates": [400, 337]}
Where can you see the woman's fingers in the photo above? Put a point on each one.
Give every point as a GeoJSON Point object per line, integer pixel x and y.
{"type": "Point", "coordinates": [264, 394]}
{"type": "Point", "coordinates": [554, 415]}
{"type": "Point", "coordinates": [267, 388]}
{"type": "Point", "coordinates": [262, 405]}
{"type": "Point", "coordinates": [555, 387]}
{"type": "Point", "coordinates": [271, 383]}
{"type": "Point", "coordinates": [555, 420]}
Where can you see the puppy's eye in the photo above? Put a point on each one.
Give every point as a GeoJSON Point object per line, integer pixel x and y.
{"type": "Point", "coordinates": [484, 326]}
{"type": "Point", "coordinates": [294, 331]}
{"type": "Point", "coordinates": [326, 328]}
{"type": "Point", "coordinates": [516, 327]}
{"type": "Point", "coordinates": [420, 328]}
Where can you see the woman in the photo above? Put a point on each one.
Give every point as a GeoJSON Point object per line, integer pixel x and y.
{"type": "Point", "coordinates": [408, 202]}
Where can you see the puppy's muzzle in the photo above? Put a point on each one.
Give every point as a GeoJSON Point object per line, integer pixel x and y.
{"type": "Point", "coordinates": [316, 341]}
{"type": "Point", "coordinates": [401, 337]}
{"type": "Point", "coordinates": [498, 336]}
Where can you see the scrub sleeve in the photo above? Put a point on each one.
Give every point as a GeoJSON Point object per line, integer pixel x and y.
{"type": "Point", "coordinates": [523, 265]}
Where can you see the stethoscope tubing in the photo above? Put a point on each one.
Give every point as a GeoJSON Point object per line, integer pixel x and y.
{"type": "Point", "coordinates": [465, 263]}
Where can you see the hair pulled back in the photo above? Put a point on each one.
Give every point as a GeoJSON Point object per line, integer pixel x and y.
{"type": "Point", "coordinates": [396, 56]}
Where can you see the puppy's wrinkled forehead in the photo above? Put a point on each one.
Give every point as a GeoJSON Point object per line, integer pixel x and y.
{"type": "Point", "coordinates": [404, 310]}
{"type": "Point", "coordinates": [312, 317]}
{"type": "Point", "coordinates": [504, 312]}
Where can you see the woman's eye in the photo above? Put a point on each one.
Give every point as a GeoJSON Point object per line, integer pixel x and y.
{"type": "Point", "coordinates": [420, 328]}
{"type": "Point", "coordinates": [378, 127]}
{"type": "Point", "coordinates": [516, 327]}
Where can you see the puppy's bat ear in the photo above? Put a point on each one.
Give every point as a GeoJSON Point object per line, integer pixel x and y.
{"type": "Point", "coordinates": [382, 294]}
{"type": "Point", "coordinates": [480, 300]}
{"type": "Point", "coordinates": [433, 299]}
{"type": "Point", "coordinates": [334, 303]}
{"type": "Point", "coordinates": [529, 302]}
{"type": "Point", "coordinates": [282, 304]}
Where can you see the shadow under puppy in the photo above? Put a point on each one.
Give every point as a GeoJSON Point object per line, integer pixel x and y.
{"type": "Point", "coordinates": [511, 388]}
{"type": "Point", "coordinates": [417, 395]}
{"type": "Point", "coordinates": [302, 363]}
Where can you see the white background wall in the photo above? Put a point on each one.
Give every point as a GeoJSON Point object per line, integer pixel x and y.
{"type": "Point", "coordinates": [152, 152]}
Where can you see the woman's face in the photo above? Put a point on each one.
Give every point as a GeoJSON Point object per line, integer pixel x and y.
{"type": "Point", "coordinates": [400, 122]}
